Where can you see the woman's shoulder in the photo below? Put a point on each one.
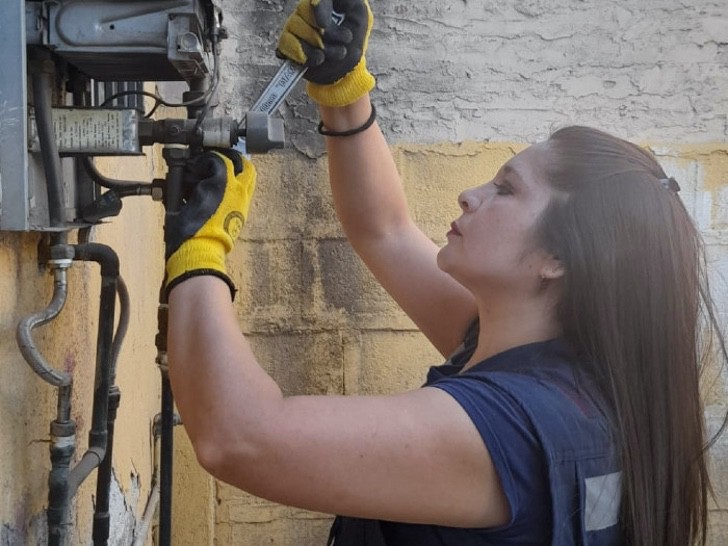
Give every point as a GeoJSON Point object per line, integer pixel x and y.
{"type": "Point", "coordinates": [545, 382]}
{"type": "Point", "coordinates": [542, 359]}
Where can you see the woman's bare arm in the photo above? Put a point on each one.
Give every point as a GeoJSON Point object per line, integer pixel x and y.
{"type": "Point", "coordinates": [372, 208]}
{"type": "Point", "coordinates": [414, 457]}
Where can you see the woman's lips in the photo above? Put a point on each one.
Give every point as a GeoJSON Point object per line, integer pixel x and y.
{"type": "Point", "coordinates": [454, 230]}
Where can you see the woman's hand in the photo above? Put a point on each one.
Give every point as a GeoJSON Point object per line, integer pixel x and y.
{"type": "Point", "coordinates": [205, 229]}
{"type": "Point", "coordinates": [329, 38]}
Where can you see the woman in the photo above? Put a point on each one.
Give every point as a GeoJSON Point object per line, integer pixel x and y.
{"type": "Point", "coordinates": [569, 296]}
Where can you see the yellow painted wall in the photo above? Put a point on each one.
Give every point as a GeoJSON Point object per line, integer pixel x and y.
{"type": "Point", "coordinates": [27, 404]}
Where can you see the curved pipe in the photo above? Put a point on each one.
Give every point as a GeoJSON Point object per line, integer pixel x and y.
{"type": "Point", "coordinates": [106, 396]}
{"type": "Point", "coordinates": [109, 262]}
{"type": "Point", "coordinates": [102, 518]}
{"type": "Point", "coordinates": [103, 255]}
{"type": "Point", "coordinates": [42, 97]}
{"type": "Point", "coordinates": [64, 481]}
{"type": "Point", "coordinates": [26, 326]}
{"type": "Point", "coordinates": [122, 187]}
{"type": "Point", "coordinates": [121, 329]}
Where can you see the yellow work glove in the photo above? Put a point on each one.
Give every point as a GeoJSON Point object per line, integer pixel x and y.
{"type": "Point", "coordinates": [204, 230]}
{"type": "Point", "coordinates": [337, 73]}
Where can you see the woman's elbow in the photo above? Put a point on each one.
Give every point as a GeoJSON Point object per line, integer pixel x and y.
{"type": "Point", "coordinates": [210, 455]}
{"type": "Point", "coordinates": [227, 459]}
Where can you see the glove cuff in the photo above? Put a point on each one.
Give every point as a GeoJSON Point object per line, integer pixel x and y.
{"type": "Point", "coordinates": [198, 256]}
{"type": "Point", "coordinates": [347, 90]}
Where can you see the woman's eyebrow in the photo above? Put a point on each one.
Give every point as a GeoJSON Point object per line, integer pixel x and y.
{"type": "Point", "coordinates": [507, 169]}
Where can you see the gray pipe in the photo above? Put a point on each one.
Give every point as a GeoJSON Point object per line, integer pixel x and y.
{"type": "Point", "coordinates": [89, 461]}
{"type": "Point", "coordinates": [26, 326]}
{"type": "Point", "coordinates": [121, 329]}
{"type": "Point", "coordinates": [42, 78]}
{"type": "Point", "coordinates": [140, 535]}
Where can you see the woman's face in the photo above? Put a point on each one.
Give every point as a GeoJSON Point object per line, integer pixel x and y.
{"type": "Point", "coordinates": [492, 245]}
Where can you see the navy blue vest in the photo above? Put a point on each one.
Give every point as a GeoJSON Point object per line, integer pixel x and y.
{"type": "Point", "coordinates": [571, 421]}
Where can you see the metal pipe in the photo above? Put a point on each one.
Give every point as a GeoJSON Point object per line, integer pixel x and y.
{"type": "Point", "coordinates": [176, 158]}
{"type": "Point", "coordinates": [140, 535]}
{"type": "Point", "coordinates": [166, 466]}
{"type": "Point", "coordinates": [99, 445]}
{"type": "Point", "coordinates": [42, 79]}
{"type": "Point", "coordinates": [102, 518]}
{"type": "Point", "coordinates": [63, 406]}
{"type": "Point", "coordinates": [109, 262]}
{"type": "Point", "coordinates": [26, 326]}
{"type": "Point", "coordinates": [62, 448]}
{"type": "Point", "coordinates": [102, 521]}
{"type": "Point", "coordinates": [63, 429]}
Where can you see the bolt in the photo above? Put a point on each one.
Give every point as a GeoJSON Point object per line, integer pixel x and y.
{"type": "Point", "coordinates": [188, 42]}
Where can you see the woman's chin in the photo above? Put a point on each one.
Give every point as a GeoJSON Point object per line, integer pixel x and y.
{"type": "Point", "coordinates": [444, 259]}
{"type": "Point", "coordinates": [441, 258]}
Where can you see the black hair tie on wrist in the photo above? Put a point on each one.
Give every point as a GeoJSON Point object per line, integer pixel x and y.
{"type": "Point", "coordinates": [368, 123]}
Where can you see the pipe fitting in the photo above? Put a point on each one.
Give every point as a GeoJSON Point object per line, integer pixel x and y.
{"type": "Point", "coordinates": [90, 461]}
{"type": "Point", "coordinates": [62, 433]}
{"type": "Point", "coordinates": [158, 189]}
{"type": "Point", "coordinates": [60, 256]}
{"type": "Point", "coordinates": [102, 254]}
{"type": "Point", "coordinates": [62, 448]}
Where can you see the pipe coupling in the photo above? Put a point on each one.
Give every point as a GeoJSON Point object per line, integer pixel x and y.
{"type": "Point", "coordinates": [60, 256]}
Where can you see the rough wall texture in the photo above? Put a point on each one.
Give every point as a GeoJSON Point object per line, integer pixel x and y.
{"type": "Point", "coordinates": [514, 70]}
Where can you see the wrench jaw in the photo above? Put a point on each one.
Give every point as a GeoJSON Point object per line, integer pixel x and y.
{"type": "Point", "coordinates": [262, 134]}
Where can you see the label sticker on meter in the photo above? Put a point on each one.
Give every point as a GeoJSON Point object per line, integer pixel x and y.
{"type": "Point", "coordinates": [92, 131]}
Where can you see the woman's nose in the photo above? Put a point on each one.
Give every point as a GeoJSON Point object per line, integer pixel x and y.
{"type": "Point", "coordinates": [469, 200]}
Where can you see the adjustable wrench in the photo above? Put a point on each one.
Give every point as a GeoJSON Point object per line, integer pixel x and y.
{"type": "Point", "coordinates": [280, 86]}
{"type": "Point", "coordinates": [284, 81]}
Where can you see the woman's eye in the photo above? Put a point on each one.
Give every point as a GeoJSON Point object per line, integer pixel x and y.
{"type": "Point", "coordinates": [502, 188]}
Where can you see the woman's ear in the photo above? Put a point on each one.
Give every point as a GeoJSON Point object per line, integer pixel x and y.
{"type": "Point", "coordinates": [552, 269]}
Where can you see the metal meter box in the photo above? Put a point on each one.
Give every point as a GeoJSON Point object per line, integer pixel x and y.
{"type": "Point", "coordinates": [14, 191]}
{"type": "Point", "coordinates": [92, 43]}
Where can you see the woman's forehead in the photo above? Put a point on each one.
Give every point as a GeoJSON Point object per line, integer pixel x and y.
{"type": "Point", "coordinates": [529, 164]}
